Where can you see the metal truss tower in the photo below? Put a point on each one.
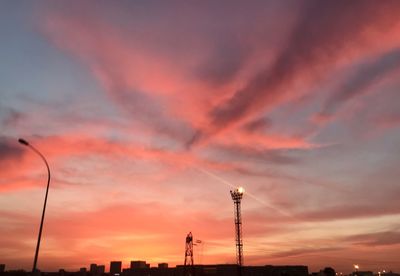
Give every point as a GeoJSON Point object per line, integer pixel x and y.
{"type": "Point", "coordinates": [237, 195]}
{"type": "Point", "coordinates": [188, 268]}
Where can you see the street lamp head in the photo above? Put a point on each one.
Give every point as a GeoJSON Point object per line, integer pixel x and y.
{"type": "Point", "coordinates": [23, 142]}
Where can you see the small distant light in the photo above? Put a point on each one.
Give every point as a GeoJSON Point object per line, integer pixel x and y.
{"type": "Point", "coordinates": [356, 266]}
{"type": "Point", "coordinates": [241, 190]}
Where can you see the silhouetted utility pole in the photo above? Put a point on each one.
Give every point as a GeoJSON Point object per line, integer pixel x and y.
{"type": "Point", "coordinates": [25, 143]}
{"type": "Point", "coordinates": [237, 195]}
{"type": "Point", "coordinates": [188, 267]}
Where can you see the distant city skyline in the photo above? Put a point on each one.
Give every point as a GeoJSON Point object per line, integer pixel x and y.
{"type": "Point", "coordinates": [150, 112]}
{"type": "Point", "coordinates": [116, 268]}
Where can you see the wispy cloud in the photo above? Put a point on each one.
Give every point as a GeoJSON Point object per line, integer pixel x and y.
{"type": "Point", "coordinates": [131, 104]}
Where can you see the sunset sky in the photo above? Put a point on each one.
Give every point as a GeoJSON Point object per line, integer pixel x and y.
{"type": "Point", "coordinates": [149, 112]}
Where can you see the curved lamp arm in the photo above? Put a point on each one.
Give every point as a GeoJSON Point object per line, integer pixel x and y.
{"type": "Point", "coordinates": [25, 143]}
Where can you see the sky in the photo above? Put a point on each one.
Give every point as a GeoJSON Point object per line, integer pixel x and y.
{"type": "Point", "coordinates": [150, 112]}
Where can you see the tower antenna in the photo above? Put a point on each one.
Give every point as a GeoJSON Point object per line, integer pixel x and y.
{"type": "Point", "coordinates": [188, 267]}
{"type": "Point", "coordinates": [237, 195]}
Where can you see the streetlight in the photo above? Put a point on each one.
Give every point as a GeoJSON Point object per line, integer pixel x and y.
{"type": "Point", "coordinates": [25, 143]}
{"type": "Point", "coordinates": [356, 268]}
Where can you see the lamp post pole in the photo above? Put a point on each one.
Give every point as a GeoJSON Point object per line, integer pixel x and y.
{"type": "Point", "coordinates": [25, 143]}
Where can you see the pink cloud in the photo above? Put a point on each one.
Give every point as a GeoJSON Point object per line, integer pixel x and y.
{"type": "Point", "coordinates": [192, 92]}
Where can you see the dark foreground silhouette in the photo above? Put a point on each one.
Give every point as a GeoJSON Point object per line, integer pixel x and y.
{"type": "Point", "coordinates": [198, 270]}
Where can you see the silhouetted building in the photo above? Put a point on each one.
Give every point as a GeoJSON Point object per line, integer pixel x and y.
{"type": "Point", "coordinates": [93, 269]}
{"type": "Point", "coordinates": [288, 270]}
{"type": "Point", "coordinates": [2, 268]}
{"type": "Point", "coordinates": [115, 267]}
{"type": "Point", "coordinates": [138, 264]}
{"type": "Point", "coordinates": [101, 269]}
{"type": "Point", "coordinates": [163, 265]}
{"type": "Point", "coordinates": [232, 270]}
{"type": "Point", "coordinates": [19, 272]}
{"type": "Point", "coordinates": [390, 273]}
{"type": "Point", "coordinates": [82, 271]}
{"type": "Point", "coordinates": [362, 273]}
